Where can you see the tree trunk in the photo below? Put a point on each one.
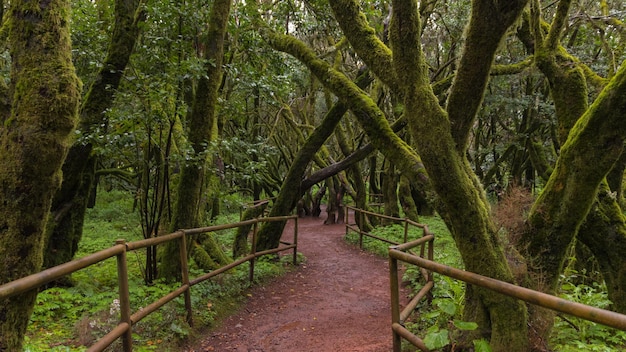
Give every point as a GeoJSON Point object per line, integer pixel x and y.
{"type": "Point", "coordinates": [390, 192]}
{"type": "Point", "coordinates": [240, 245]}
{"type": "Point", "coordinates": [44, 95]}
{"type": "Point", "coordinates": [592, 139]}
{"type": "Point", "coordinates": [593, 146]}
{"type": "Point", "coordinates": [202, 124]}
{"type": "Point", "coordinates": [70, 201]}
{"type": "Point", "coordinates": [604, 233]}
{"type": "Point", "coordinates": [406, 200]}
{"type": "Point", "coordinates": [465, 207]}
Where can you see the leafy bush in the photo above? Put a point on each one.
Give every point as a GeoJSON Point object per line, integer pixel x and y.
{"type": "Point", "coordinates": [573, 334]}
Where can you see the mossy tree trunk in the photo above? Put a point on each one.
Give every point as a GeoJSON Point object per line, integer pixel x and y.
{"type": "Point", "coordinates": [603, 233]}
{"type": "Point", "coordinates": [202, 130]}
{"type": "Point", "coordinates": [70, 201]}
{"type": "Point", "coordinates": [593, 146]}
{"type": "Point", "coordinates": [441, 137]}
{"type": "Point", "coordinates": [390, 191]}
{"type": "Point", "coordinates": [590, 150]}
{"type": "Point", "coordinates": [405, 196]}
{"type": "Point", "coordinates": [34, 137]}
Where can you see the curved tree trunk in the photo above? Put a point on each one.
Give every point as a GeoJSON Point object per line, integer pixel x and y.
{"type": "Point", "coordinates": [34, 139]}
{"type": "Point", "coordinates": [592, 139]}
{"type": "Point", "coordinates": [292, 188]}
{"type": "Point", "coordinates": [442, 146]}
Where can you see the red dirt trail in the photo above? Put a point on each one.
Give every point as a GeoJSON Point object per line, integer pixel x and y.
{"type": "Point", "coordinates": [338, 300]}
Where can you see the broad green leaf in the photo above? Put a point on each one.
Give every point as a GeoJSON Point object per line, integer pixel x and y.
{"type": "Point", "coordinates": [465, 325]}
{"type": "Point", "coordinates": [437, 339]}
{"type": "Point", "coordinates": [447, 306]}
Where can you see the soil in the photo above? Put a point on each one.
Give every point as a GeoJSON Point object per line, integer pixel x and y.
{"type": "Point", "coordinates": [337, 300]}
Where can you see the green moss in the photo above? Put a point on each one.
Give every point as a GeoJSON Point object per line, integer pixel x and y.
{"type": "Point", "coordinates": [34, 144]}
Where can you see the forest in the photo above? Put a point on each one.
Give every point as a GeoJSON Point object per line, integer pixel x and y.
{"type": "Point", "coordinates": [506, 119]}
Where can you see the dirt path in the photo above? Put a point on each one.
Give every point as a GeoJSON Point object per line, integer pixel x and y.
{"type": "Point", "coordinates": [337, 301]}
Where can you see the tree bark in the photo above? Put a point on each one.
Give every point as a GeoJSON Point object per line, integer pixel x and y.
{"type": "Point", "coordinates": [34, 138]}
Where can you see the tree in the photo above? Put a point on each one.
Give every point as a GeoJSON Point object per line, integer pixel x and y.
{"type": "Point", "coordinates": [43, 97]}
{"type": "Point", "coordinates": [202, 125]}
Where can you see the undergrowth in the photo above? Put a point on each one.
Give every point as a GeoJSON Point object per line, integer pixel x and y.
{"type": "Point", "coordinates": [70, 318]}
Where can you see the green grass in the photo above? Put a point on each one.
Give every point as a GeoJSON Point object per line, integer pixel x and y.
{"type": "Point", "coordinates": [68, 319]}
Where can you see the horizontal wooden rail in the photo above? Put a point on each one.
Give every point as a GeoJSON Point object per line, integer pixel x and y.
{"type": "Point", "coordinates": [360, 214]}
{"type": "Point", "coordinates": [34, 281]}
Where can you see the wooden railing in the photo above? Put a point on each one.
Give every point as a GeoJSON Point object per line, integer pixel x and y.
{"type": "Point", "coordinates": [428, 265]}
{"type": "Point", "coordinates": [127, 319]}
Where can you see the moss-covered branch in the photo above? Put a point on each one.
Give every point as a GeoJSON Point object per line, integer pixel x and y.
{"type": "Point", "coordinates": [489, 22]}
{"type": "Point", "coordinates": [558, 23]}
{"type": "Point", "coordinates": [364, 108]}
{"type": "Point", "coordinates": [363, 38]}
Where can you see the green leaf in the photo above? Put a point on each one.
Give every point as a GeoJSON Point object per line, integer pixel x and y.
{"type": "Point", "coordinates": [437, 339]}
{"type": "Point", "coordinates": [447, 306]}
{"type": "Point", "coordinates": [481, 346]}
{"type": "Point", "coordinates": [465, 325]}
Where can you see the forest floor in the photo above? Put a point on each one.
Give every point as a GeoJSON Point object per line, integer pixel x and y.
{"type": "Point", "coordinates": [337, 300]}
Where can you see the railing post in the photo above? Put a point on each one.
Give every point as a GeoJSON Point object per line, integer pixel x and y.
{"type": "Point", "coordinates": [184, 268]}
{"type": "Point", "coordinates": [361, 229]}
{"type": "Point", "coordinates": [346, 219]}
{"type": "Point", "coordinates": [254, 230]}
{"type": "Point", "coordinates": [295, 241]}
{"type": "Point", "coordinates": [122, 277]}
{"type": "Point", "coordinates": [395, 302]}
{"type": "Point", "coordinates": [406, 230]}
